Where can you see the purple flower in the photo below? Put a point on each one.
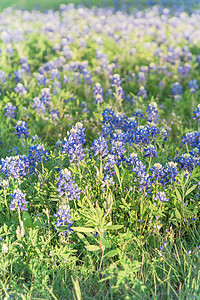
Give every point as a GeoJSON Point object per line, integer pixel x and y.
{"type": "Point", "coordinates": [162, 197]}
{"type": "Point", "coordinates": [63, 218]}
{"type": "Point", "coordinates": [20, 89]}
{"type": "Point", "coordinates": [67, 186]}
{"type": "Point", "coordinates": [18, 201]}
{"type": "Point", "coordinates": [21, 129]}
{"type": "Point", "coordinates": [98, 93]}
{"type": "Point", "coordinates": [9, 110]}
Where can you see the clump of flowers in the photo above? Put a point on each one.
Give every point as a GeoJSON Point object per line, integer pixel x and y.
{"type": "Point", "coordinates": [73, 144]}
{"type": "Point", "coordinates": [64, 219]}
{"type": "Point", "coordinates": [18, 202]}
{"type": "Point", "coordinates": [21, 129]}
{"type": "Point", "coordinates": [162, 197]}
{"type": "Point", "coordinates": [9, 110]}
{"type": "Point", "coordinates": [197, 113]}
{"type": "Point", "coordinates": [142, 92]}
{"type": "Point", "coordinates": [177, 90]}
{"type": "Point", "coordinates": [193, 86]}
{"type": "Point", "coordinates": [67, 187]}
{"type": "Point", "coordinates": [98, 93]}
{"type": "Point", "coordinates": [20, 89]}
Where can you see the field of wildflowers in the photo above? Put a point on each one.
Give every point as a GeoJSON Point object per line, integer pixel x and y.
{"type": "Point", "coordinates": [100, 153]}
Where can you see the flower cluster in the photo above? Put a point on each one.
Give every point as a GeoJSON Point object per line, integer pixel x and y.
{"type": "Point", "coordinates": [18, 202]}
{"type": "Point", "coordinates": [21, 129]}
{"type": "Point", "coordinates": [98, 93]}
{"type": "Point", "coordinates": [9, 110]}
{"type": "Point", "coordinates": [64, 219]}
{"type": "Point", "coordinates": [197, 113]}
{"type": "Point", "coordinates": [67, 187]}
{"type": "Point", "coordinates": [73, 144]}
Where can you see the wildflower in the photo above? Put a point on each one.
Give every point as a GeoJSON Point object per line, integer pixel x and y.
{"type": "Point", "coordinates": [152, 112]}
{"type": "Point", "coordinates": [9, 110]}
{"type": "Point", "coordinates": [193, 86]}
{"type": "Point", "coordinates": [197, 113]}
{"type": "Point", "coordinates": [142, 92]}
{"type": "Point", "coordinates": [151, 151]}
{"type": "Point", "coordinates": [72, 145]}
{"type": "Point", "coordinates": [21, 129]}
{"type": "Point", "coordinates": [67, 186]}
{"type": "Point", "coordinates": [18, 201]}
{"type": "Point", "coordinates": [20, 89]}
{"type": "Point", "coordinates": [63, 219]}
{"type": "Point", "coordinates": [162, 197]}
{"type": "Point", "coordinates": [177, 90]}
{"type": "Point", "coordinates": [98, 93]}
{"type": "Point", "coordinates": [100, 147]}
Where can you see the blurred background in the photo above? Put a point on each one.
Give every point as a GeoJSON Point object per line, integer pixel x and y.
{"type": "Point", "coordinates": [118, 4]}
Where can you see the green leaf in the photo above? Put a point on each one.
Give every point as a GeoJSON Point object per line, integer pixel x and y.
{"type": "Point", "coordinates": [177, 214]}
{"type": "Point", "coordinates": [114, 227]}
{"type": "Point", "coordinates": [105, 243]}
{"type": "Point", "coordinates": [117, 174]}
{"type": "Point", "coordinates": [190, 190]}
{"type": "Point", "coordinates": [83, 229]}
{"type": "Point", "coordinates": [178, 194]}
{"type": "Point", "coordinates": [92, 248]}
{"type": "Point", "coordinates": [111, 253]}
{"type": "Point", "coordinates": [27, 220]}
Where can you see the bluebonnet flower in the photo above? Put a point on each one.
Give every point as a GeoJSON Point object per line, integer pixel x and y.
{"type": "Point", "coordinates": [117, 149]}
{"type": "Point", "coordinates": [38, 105]}
{"type": "Point", "coordinates": [24, 64]}
{"type": "Point", "coordinates": [9, 110]}
{"type": "Point", "coordinates": [41, 78]}
{"type": "Point", "coordinates": [162, 197]}
{"type": "Point", "coordinates": [142, 135]}
{"type": "Point", "coordinates": [37, 154]}
{"type": "Point", "coordinates": [152, 112]}
{"type": "Point", "coordinates": [2, 77]}
{"type": "Point", "coordinates": [157, 171]}
{"type": "Point", "coordinates": [45, 97]}
{"type": "Point", "coordinates": [64, 218]}
{"type": "Point", "coordinates": [141, 78]}
{"type": "Point", "coordinates": [72, 145]}
{"type": "Point", "coordinates": [15, 166]}
{"type": "Point", "coordinates": [142, 92]}
{"type": "Point", "coordinates": [113, 120]}
{"type": "Point", "coordinates": [18, 201]}
{"type": "Point", "coordinates": [106, 182]}
{"type": "Point", "coordinates": [139, 113]}
{"type": "Point", "coordinates": [110, 161]}
{"type": "Point", "coordinates": [21, 129]}
{"type": "Point", "coordinates": [151, 151]}
{"type": "Point", "coordinates": [185, 70]}
{"type": "Point", "coordinates": [55, 74]}
{"type": "Point", "coordinates": [193, 86]}
{"type": "Point", "coordinates": [18, 75]}
{"type": "Point", "coordinates": [187, 162]}
{"type": "Point", "coordinates": [20, 89]}
{"type": "Point", "coordinates": [192, 139]}
{"type": "Point", "coordinates": [4, 184]}
{"type": "Point", "coordinates": [177, 90]}
{"type": "Point", "coordinates": [197, 113]}
{"type": "Point", "coordinates": [170, 172]}
{"type": "Point", "coordinates": [55, 115]}
{"type": "Point", "coordinates": [67, 186]}
{"type": "Point", "coordinates": [116, 83]}
{"type": "Point", "coordinates": [164, 133]}
{"type": "Point", "coordinates": [116, 80]}
{"type": "Point", "coordinates": [100, 147]}
{"type": "Point", "coordinates": [98, 93]}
